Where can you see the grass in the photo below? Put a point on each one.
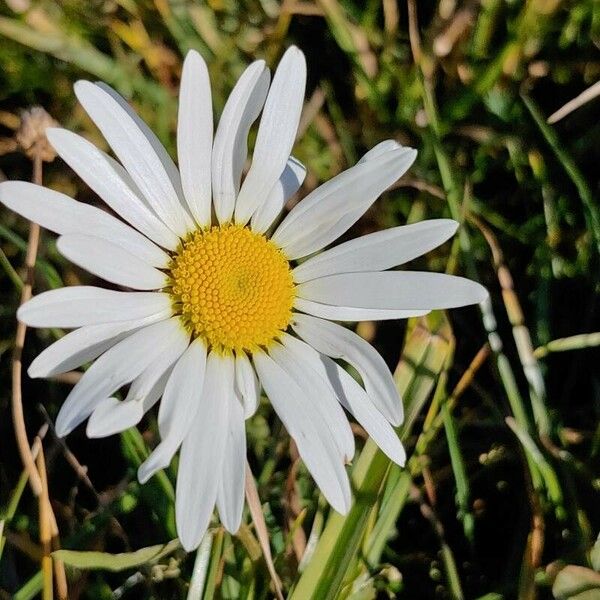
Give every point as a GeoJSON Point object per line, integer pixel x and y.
{"type": "Point", "coordinates": [499, 499]}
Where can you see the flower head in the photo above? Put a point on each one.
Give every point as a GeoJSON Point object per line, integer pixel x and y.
{"type": "Point", "coordinates": [217, 306]}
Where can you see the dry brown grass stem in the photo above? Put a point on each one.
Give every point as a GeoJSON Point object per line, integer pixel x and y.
{"type": "Point", "coordinates": [49, 539]}
{"type": "Point", "coordinates": [261, 529]}
{"type": "Point", "coordinates": [45, 529]}
{"type": "Point", "coordinates": [17, 366]}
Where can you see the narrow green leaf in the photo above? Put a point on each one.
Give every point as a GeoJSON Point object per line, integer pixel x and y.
{"type": "Point", "coordinates": [115, 562]}
{"type": "Point", "coordinates": [576, 583]}
{"type": "Point", "coordinates": [424, 357]}
{"type": "Point", "coordinates": [595, 555]}
{"type": "Point", "coordinates": [590, 207]}
{"type": "Point", "coordinates": [200, 567]}
{"type": "Point", "coordinates": [213, 568]}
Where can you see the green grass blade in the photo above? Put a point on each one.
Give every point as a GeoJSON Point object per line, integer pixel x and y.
{"type": "Point", "coordinates": [342, 537]}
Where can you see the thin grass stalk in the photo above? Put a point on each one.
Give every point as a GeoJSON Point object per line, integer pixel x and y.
{"type": "Point", "coordinates": [453, 196]}
{"type": "Point", "coordinates": [200, 570]}
{"type": "Point", "coordinates": [342, 31]}
{"type": "Point", "coordinates": [423, 359]}
{"type": "Point", "coordinates": [82, 54]}
{"type": "Point", "coordinates": [17, 493]}
{"type": "Point", "coordinates": [17, 394]}
{"type": "Point", "coordinates": [399, 481]}
{"type": "Point", "coordinates": [574, 342]}
{"type": "Point", "coordinates": [446, 554]}
{"type": "Point", "coordinates": [460, 473]}
{"type": "Point", "coordinates": [45, 529]}
{"type": "Point", "coordinates": [590, 207]}
{"type": "Point", "coordinates": [262, 533]}
{"type": "Point", "coordinates": [553, 486]}
{"type": "Point", "coordinates": [214, 569]}
{"type": "Point", "coordinates": [521, 335]}
{"type": "Point", "coordinates": [434, 421]}
{"type": "Point", "coordinates": [10, 271]}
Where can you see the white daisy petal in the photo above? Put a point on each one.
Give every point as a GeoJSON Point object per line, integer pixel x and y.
{"type": "Point", "coordinates": [61, 214]}
{"type": "Point", "coordinates": [116, 367]}
{"type": "Point", "coordinates": [353, 398]}
{"type": "Point", "coordinates": [331, 209]}
{"type": "Point", "coordinates": [97, 169]}
{"type": "Point", "coordinates": [378, 251]}
{"type": "Point", "coordinates": [350, 313]}
{"type": "Point", "coordinates": [202, 452]}
{"type": "Point", "coordinates": [86, 305]}
{"type": "Point", "coordinates": [394, 289]}
{"type": "Point", "coordinates": [110, 262]}
{"type": "Point", "coordinates": [246, 384]}
{"type": "Point", "coordinates": [312, 436]}
{"type": "Point", "coordinates": [172, 349]}
{"type": "Point", "coordinates": [136, 153]}
{"type": "Point", "coordinates": [230, 497]}
{"type": "Point", "coordinates": [159, 149]}
{"type": "Point", "coordinates": [338, 342]}
{"type": "Point", "coordinates": [317, 393]}
{"type": "Point", "coordinates": [357, 402]}
{"type": "Point", "coordinates": [178, 407]}
{"type": "Point", "coordinates": [276, 133]}
{"type": "Point", "coordinates": [114, 416]}
{"type": "Point", "coordinates": [379, 150]}
{"type": "Point", "coordinates": [230, 148]}
{"type": "Point", "coordinates": [287, 185]}
{"type": "Point", "coordinates": [195, 136]}
{"type": "Point", "coordinates": [83, 345]}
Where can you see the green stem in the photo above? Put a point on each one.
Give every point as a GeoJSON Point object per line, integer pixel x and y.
{"type": "Point", "coordinates": [10, 271]}
{"type": "Point", "coordinates": [591, 212]}
{"type": "Point", "coordinates": [201, 566]}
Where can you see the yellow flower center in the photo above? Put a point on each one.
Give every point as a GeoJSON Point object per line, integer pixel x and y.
{"type": "Point", "coordinates": [232, 287]}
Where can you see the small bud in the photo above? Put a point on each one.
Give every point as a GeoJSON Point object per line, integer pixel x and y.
{"type": "Point", "coordinates": [31, 135]}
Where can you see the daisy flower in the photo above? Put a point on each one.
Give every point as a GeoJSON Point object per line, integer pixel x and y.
{"type": "Point", "coordinates": [220, 302]}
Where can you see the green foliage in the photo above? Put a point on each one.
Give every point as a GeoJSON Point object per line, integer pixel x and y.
{"type": "Point", "coordinates": [115, 562]}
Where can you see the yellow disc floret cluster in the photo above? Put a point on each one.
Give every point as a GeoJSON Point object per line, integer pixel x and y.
{"type": "Point", "coordinates": [232, 287]}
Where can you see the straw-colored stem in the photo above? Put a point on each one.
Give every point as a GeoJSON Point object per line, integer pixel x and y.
{"type": "Point", "coordinates": [574, 342]}
{"type": "Point", "coordinates": [261, 529]}
{"type": "Point", "coordinates": [521, 335]}
{"type": "Point", "coordinates": [17, 396]}
{"type": "Point", "coordinates": [45, 529]}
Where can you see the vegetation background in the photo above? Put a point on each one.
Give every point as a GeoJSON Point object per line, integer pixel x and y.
{"type": "Point", "coordinates": [500, 496]}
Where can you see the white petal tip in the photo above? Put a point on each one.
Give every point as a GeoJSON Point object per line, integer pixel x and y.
{"type": "Point", "coordinates": [192, 53]}
{"type": "Point", "coordinates": [295, 51]}
{"type": "Point", "coordinates": [81, 85]}
{"type": "Point", "coordinates": [34, 372]}
{"type": "Point", "coordinates": [146, 471]}
{"type": "Point", "coordinates": [62, 429]}
{"type": "Point", "coordinates": [395, 420]}
{"type": "Point", "coordinates": [92, 432]}
{"type": "Point", "coordinates": [154, 463]}
{"type": "Point", "coordinates": [232, 528]}
{"type": "Point", "coordinates": [343, 509]}
{"type": "Point", "coordinates": [144, 475]}
{"type": "Point", "coordinates": [479, 294]}
{"type": "Point", "coordinates": [413, 154]}
{"type": "Point", "coordinates": [22, 313]}
{"type": "Point", "coordinates": [400, 459]}
{"type": "Point", "coordinates": [189, 544]}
